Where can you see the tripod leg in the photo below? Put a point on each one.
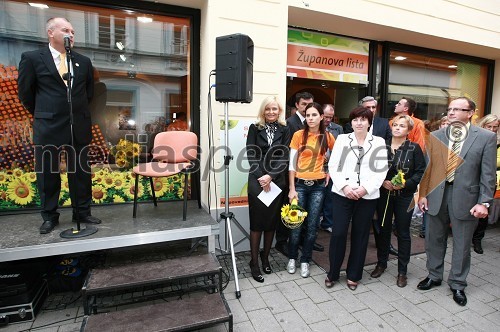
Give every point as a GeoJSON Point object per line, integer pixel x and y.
{"type": "Point", "coordinates": [233, 258]}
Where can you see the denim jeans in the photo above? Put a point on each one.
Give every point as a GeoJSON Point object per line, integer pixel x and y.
{"type": "Point", "coordinates": [311, 199]}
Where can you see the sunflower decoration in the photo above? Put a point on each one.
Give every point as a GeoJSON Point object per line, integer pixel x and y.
{"type": "Point", "coordinates": [130, 189]}
{"type": "Point", "coordinates": [98, 193]}
{"type": "Point", "coordinates": [126, 153]}
{"type": "Point", "coordinates": [119, 180]}
{"type": "Point", "coordinates": [4, 177]}
{"type": "Point", "coordinates": [293, 215]}
{"type": "Point", "coordinates": [66, 202]}
{"type": "Point", "coordinates": [108, 180]}
{"type": "Point", "coordinates": [20, 191]}
{"type": "Point", "coordinates": [118, 199]}
{"type": "Point", "coordinates": [29, 177]}
{"type": "Point", "coordinates": [160, 186]}
{"type": "Point", "coordinates": [17, 172]}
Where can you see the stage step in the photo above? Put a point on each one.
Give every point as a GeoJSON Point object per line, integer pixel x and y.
{"type": "Point", "coordinates": [179, 315]}
{"type": "Point", "coordinates": [202, 304]}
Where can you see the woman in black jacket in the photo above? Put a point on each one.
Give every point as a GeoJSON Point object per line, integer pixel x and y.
{"type": "Point", "coordinates": [395, 200]}
{"type": "Point", "coordinates": [267, 152]}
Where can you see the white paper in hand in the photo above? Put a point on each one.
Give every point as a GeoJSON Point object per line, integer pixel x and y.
{"type": "Point", "coordinates": [270, 196]}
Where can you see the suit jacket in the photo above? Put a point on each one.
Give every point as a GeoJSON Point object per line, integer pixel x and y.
{"type": "Point", "coordinates": [474, 180]}
{"type": "Point", "coordinates": [335, 129]}
{"type": "Point", "coordinates": [345, 168]}
{"type": "Point", "coordinates": [44, 94]}
{"type": "Point", "coordinates": [294, 123]}
{"type": "Point", "coordinates": [381, 128]}
{"type": "Point", "coordinates": [265, 159]}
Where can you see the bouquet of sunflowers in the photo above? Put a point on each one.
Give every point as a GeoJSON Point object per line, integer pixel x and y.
{"type": "Point", "coordinates": [397, 180]}
{"type": "Point", "coordinates": [126, 153]}
{"type": "Point", "coordinates": [293, 215]}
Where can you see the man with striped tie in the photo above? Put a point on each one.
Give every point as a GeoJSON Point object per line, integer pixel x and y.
{"type": "Point", "coordinates": [459, 183]}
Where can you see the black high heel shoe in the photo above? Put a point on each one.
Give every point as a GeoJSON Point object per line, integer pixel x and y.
{"type": "Point", "coordinates": [254, 268]}
{"type": "Point", "coordinates": [266, 267]}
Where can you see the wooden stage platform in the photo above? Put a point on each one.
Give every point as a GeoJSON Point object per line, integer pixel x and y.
{"type": "Point", "coordinates": [20, 237]}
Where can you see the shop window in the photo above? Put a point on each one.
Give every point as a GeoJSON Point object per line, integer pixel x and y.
{"type": "Point", "coordinates": [433, 82]}
{"type": "Point", "coordinates": [137, 56]}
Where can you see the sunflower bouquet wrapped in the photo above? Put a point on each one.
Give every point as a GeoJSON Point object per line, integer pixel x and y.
{"type": "Point", "coordinates": [293, 215]}
{"type": "Point", "coordinates": [126, 153]}
{"type": "Point", "coordinates": [397, 180]}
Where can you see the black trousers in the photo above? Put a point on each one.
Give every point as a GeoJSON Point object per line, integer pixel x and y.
{"type": "Point", "coordinates": [396, 206]}
{"type": "Point", "coordinates": [360, 213]}
{"type": "Point", "coordinates": [47, 161]}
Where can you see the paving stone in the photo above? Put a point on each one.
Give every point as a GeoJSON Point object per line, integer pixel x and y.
{"type": "Point", "coordinates": [309, 312]}
{"type": "Point", "coordinates": [73, 327]}
{"type": "Point", "coordinates": [291, 321]}
{"type": "Point", "coordinates": [399, 322]}
{"type": "Point", "coordinates": [434, 326]}
{"type": "Point", "coordinates": [354, 327]}
{"type": "Point", "coordinates": [371, 321]}
{"type": "Point", "coordinates": [276, 302]}
{"type": "Point", "coordinates": [291, 291]}
{"type": "Point", "coordinates": [478, 322]}
{"type": "Point", "coordinates": [316, 292]}
{"type": "Point", "coordinates": [383, 291]}
{"type": "Point", "coordinates": [243, 327]}
{"type": "Point", "coordinates": [414, 313]}
{"type": "Point", "coordinates": [54, 317]}
{"type": "Point", "coordinates": [251, 300]}
{"type": "Point", "coordinates": [410, 293]}
{"type": "Point", "coordinates": [440, 314]}
{"type": "Point", "coordinates": [323, 326]}
{"type": "Point", "coordinates": [239, 314]}
{"type": "Point", "coordinates": [376, 303]}
{"type": "Point", "coordinates": [336, 313]}
{"type": "Point", "coordinates": [349, 301]}
{"type": "Point", "coordinates": [494, 317]}
{"type": "Point", "coordinates": [267, 289]}
{"type": "Point", "coordinates": [263, 320]}
{"type": "Point", "coordinates": [482, 294]}
{"type": "Point", "coordinates": [444, 301]}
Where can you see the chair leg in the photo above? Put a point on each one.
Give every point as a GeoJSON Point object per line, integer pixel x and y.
{"type": "Point", "coordinates": [184, 209]}
{"type": "Point", "coordinates": [135, 195]}
{"type": "Point", "coordinates": [152, 190]}
{"type": "Point", "coordinates": [198, 188]}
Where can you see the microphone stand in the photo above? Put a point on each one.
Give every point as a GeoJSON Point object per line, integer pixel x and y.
{"type": "Point", "coordinates": [73, 233]}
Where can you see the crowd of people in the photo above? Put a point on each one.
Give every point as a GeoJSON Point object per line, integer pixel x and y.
{"type": "Point", "coordinates": [368, 175]}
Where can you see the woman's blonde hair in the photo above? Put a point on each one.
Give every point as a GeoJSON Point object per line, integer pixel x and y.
{"type": "Point", "coordinates": [408, 119]}
{"type": "Point", "coordinates": [486, 119]}
{"type": "Point", "coordinates": [261, 119]}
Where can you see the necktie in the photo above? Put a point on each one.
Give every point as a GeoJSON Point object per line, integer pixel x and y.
{"type": "Point", "coordinates": [63, 67]}
{"type": "Point", "coordinates": [454, 155]}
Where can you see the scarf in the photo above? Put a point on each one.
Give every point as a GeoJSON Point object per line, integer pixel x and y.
{"type": "Point", "coordinates": [270, 131]}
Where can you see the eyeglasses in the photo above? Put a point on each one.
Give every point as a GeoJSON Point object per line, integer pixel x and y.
{"type": "Point", "coordinates": [457, 109]}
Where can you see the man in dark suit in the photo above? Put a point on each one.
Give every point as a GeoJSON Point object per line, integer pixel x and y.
{"type": "Point", "coordinates": [458, 186]}
{"type": "Point", "coordinates": [43, 92]}
{"type": "Point", "coordinates": [380, 126]}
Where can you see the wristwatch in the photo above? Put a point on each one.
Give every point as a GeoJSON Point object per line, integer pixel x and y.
{"type": "Point", "coordinates": [487, 205]}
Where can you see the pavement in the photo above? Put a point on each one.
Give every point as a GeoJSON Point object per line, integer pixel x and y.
{"type": "Point", "coordinates": [286, 302]}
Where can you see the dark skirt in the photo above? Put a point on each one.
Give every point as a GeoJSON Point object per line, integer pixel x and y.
{"type": "Point", "coordinates": [263, 218]}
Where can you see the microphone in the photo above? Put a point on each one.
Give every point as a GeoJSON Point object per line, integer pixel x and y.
{"type": "Point", "coordinates": [67, 42]}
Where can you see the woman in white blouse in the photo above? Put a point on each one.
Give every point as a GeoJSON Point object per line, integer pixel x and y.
{"type": "Point", "coordinates": [357, 167]}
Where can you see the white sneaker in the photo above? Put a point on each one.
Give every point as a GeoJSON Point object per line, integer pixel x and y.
{"type": "Point", "coordinates": [304, 270]}
{"type": "Point", "coordinates": [291, 266]}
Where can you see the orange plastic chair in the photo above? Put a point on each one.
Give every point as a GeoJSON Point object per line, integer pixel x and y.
{"type": "Point", "coordinates": [173, 152]}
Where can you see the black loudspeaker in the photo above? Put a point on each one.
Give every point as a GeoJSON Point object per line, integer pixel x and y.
{"type": "Point", "coordinates": [234, 68]}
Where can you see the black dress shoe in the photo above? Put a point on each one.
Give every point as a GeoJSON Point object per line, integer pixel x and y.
{"type": "Point", "coordinates": [393, 251]}
{"type": "Point", "coordinates": [88, 220]}
{"type": "Point", "coordinates": [48, 226]}
{"type": "Point", "coordinates": [459, 297]}
{"type": "Point", "coordinates": [378, 271]}
{"type": "Point", "coordinates": [478, 248]}
{"type": "Point", "coordinates": [255, 270]}
{"type": "Point", "coordinates": [282, 247]}
{"type": "Point", "coordinates": [428, 283]}
{"type": "Point", "coordinates": [318, 247]}
{"type": "Point", "coordinates": [266, 267]}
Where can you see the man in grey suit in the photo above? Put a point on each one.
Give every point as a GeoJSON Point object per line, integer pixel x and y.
{"type": "Point", "coordinates": [458, 183]}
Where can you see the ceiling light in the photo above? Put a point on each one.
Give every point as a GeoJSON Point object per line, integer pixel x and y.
{"type": "Point", "coordinates": [452, 66]}
{"type": "Point", "coordinates": [38, 5]}
{"type": "Point", "coordinates": [123, 57]}
{"type": "Point", "coordinates": [120, 46]}
{"type": "Point", "coordinates": [400, 58]}
{"type": "Point", "coordinates": [131, 122]}
{"type": "Point", "coordinates": [144, 19]}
